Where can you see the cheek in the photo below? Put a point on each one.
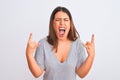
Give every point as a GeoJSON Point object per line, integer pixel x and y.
{"type": "Point", "coordinates": [55, 27]}
{"type": "Point", "coordinates": [68, 30]}
{"type": "Point", "coordinates": [55, 24]}
{"type": "Point", "coordinates": [68, 26]}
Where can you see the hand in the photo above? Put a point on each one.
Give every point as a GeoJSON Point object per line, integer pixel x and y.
{"type": "Point", "coordinates": [31, 45]}
{"type": "Point", "coordinates": [90, 47]}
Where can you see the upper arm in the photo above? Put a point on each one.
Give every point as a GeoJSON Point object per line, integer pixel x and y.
{"type": "Point", "coordinates": [39, 56]}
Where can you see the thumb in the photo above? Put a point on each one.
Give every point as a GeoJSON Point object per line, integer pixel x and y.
{"type": "Point", "coordinates": [83, 44]}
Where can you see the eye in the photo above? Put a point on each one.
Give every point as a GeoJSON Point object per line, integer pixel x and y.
{"type": "Point", "coordinates": [57, 19]}
{"type": "Point", "coordinates": [66, 19]}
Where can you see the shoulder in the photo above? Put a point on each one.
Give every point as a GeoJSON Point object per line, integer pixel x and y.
{"type": "Point", "coordinates": [79, 47]}
{"type": "Point", "coordinates": [78, 43]}
{"type": "Point", "coordinates": [43, 42]}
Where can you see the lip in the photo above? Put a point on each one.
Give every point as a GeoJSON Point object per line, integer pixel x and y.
{"type": "Point", "coordinates": [62, 30]}
{"type": "Point", "coordinates": [61, 27]}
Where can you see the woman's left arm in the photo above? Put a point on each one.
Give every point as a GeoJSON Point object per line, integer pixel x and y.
{"type": "Point", "coordinates": [86, 65]}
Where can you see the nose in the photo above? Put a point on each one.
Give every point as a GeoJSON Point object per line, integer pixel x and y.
{"type": "Point", "coordinates": [61, 22]}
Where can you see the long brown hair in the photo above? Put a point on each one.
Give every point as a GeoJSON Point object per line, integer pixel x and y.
{"type": "Point", "coordinates": [52, 37]}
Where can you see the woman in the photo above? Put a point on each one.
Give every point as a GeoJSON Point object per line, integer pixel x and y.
{"type": "Point", "coordinates": [60, 55]}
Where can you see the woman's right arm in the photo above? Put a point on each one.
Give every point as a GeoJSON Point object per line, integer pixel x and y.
{"type": "Point", "coordinates": [33, 66]}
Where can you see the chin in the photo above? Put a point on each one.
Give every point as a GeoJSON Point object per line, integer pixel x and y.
{"type": "Point", "coordinates": [62, 38]}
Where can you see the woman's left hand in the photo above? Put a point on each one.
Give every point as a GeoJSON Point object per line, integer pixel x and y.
{"type": "Point", "coordinates": [90, 47]}
{"type": "Point", "coordinates": [85, 67]}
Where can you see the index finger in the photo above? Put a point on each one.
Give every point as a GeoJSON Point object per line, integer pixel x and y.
{"type": "Point", "coordinates": [92, 39]}
{"type": "Point", "coordinates": [30, 37]}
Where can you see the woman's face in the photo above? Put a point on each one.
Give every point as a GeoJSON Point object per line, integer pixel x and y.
{"type": "Point", "coordinates": [61, 24]}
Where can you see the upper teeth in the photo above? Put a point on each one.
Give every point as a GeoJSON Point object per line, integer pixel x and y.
{"type": "Point", "coordinates": [62, 28]}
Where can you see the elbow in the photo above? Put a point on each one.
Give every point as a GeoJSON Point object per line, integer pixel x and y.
{"type": "Point", "coordinates": [36, 75]}
{"type": "Point", "coordinates": [82, 75]}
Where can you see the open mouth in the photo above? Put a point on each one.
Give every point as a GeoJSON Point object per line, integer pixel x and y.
{"type": "Point", "coordinates": [62, 31]}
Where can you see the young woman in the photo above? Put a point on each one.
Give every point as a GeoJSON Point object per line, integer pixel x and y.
{"type": "Point", "coordinates": [60, 55]}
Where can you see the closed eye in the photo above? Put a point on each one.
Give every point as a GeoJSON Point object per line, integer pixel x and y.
{"type": "Point", "coordinates": [66, 19]}
{"type": "Point", "coordinates": [57, 19]}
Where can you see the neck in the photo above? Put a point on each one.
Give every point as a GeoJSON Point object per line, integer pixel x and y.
{"type": "Point", "coordinates": [63, 41]}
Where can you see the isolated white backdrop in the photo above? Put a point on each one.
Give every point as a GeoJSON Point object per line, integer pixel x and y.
{"type": "Point", "coordinates": [20, 17]}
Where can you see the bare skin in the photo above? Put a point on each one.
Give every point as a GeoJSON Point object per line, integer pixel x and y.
{"type": "Point", "coordinates": [63, 50]}
{"type": "Point", "coordinates": [61, 20]}
{"type": "Point", "coordinates": [33, 66]}
{"type": "Point", "coordinates": [85, 67]}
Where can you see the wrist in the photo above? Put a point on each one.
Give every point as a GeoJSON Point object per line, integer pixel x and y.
{"type": "Point", "coordinates": [29, 53]}
{"type": "Point", "coordinates": [91, 56]}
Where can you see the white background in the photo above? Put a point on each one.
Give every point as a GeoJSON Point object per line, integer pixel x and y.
{"type": "Point", "coordinates": [20, 17]}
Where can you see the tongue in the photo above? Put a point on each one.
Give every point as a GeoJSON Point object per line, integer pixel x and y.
{"type": "Point", "coordinates": [62, 32]}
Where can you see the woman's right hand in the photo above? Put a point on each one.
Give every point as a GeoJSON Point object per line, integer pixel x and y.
{"type": "Point", "coordinates": [33, 65]}
{"type": "Point", "coordinates": [31, 45]}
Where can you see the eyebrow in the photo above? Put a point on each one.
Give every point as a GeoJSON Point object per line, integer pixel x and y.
{"type": "Point", "coordinates": [60, 18]}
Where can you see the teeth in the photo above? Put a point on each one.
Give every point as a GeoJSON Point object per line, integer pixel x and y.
{"type": "Point", "coordinates": [62, 28]}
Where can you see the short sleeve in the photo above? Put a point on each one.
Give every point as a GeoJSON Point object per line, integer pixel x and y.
{"type": "Point", "coordinates": [39, 55]}
{"type": "Point", "coordinates": [81, 54]}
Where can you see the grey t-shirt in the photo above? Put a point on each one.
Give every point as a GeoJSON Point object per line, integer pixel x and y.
{"type": "Point", "coordinates": [54, 69]}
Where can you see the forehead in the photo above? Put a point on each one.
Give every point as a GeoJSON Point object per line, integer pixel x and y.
{"type": "Point", "coordinates": [61, 14]}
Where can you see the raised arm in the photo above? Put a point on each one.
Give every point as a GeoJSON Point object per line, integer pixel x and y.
{"type": "Point", "coordinates": [86, 65]}
{"type": "Point", "coordinates": [33, 66]}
